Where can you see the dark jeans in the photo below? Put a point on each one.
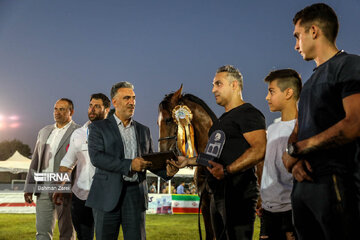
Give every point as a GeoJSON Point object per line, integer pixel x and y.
{"type": "Point", "coordinates": [275, 225]}
{"type": "Point", "coordinates": [325, 209]}
{"type": "Point", "coordinates": [82, 218]}
{"type": "Point", "coordinates": [232, 211]}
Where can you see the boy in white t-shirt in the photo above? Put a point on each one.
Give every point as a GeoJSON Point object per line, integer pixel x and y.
{"type": "Point", "coordinates": [284, 88]}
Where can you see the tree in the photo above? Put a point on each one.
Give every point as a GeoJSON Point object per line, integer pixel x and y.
{"type": "Point", "coordinates": [8, 148]}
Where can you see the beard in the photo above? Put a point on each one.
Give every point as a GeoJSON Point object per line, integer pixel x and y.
{"type": "Point", "coordinates": [95, 117]}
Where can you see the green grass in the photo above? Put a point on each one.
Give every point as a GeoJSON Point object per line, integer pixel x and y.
{"type": "Point", "coordinates": [22, 226]}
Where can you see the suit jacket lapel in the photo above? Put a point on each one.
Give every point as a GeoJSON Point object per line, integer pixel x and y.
{"type": "Point", "coordinates": [42, 146]}
{"type": "Point", "coordinates": [66, 135]}
{"type": "Point", "coordinates": [115, 129]}
{"type": "Point", "coordinates": [141, 175]}
{"type": "Point", "coordinates": [136, 127]}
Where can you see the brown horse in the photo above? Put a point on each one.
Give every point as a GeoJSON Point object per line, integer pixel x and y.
{"type": "Point", "coordinates": [202, 120]}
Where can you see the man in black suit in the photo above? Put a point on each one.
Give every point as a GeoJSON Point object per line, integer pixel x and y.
{"type": "Point", "coordinates": [118, 194]}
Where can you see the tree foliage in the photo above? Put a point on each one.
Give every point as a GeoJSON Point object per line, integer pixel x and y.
{"type": "Point", "coordinates": [8, 148]}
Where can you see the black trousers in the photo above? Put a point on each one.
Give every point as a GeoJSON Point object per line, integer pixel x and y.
{"type": "Point", "coordinates": [325, 209]}
{"type": "Point", "coordinates": [275, 225]}
{"type": "Point", "coordinates": [356, 169]}
{"type": "Point", "coordinates": [82, 218]}
{"type": "Point", "coordinates": [129, 213]}
{"type": "Point", "coordinates": [232, 210]}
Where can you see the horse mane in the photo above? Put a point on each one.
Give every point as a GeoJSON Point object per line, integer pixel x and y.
{"type": "Point", "coordinates": [199, 101]}
{"type": "Point", "coordinates": [165, 103]}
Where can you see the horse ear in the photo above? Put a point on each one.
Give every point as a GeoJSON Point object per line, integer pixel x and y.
{"type": "Point", "coordinates": [177, 95]}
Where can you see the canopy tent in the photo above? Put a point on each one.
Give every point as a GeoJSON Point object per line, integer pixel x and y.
{"type": "Point", "coordinates": [17, 163]}
{"type": "Point", "coordinates": [184, 172]}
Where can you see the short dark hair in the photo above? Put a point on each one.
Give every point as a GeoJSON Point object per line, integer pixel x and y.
{"type": "Point", "coordinates": [232, 72]}
{"type": "Point", "coordinates": [70, 103]}
{"type": "Point", "coordinates": [286, 78]}
{"type": "Point", "coordinates": [321, 14]}
{"type": "Point", "coordinates": [118, 85]}
{"type": "Point", "coordinates": [103, 97]}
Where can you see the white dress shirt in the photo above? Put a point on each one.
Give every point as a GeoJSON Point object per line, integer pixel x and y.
{"type": "Point", "coordinates": [128, 137]}
{"type": "Point", "coordinates": [52, 145]}
{"type": "Point", "coordinates": [78, 155]}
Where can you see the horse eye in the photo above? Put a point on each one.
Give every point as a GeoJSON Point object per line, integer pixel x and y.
{"type": "Point", "coordinates": [168, 121]}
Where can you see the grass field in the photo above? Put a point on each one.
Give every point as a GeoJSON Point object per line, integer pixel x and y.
{"type": "Point", "coordinates": [22, 226]}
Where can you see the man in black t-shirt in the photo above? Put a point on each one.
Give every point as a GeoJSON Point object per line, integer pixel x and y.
{"type": "Point", "coordinates": [322, 149]}
{"type": "Point", "coordinates": [232, 181]}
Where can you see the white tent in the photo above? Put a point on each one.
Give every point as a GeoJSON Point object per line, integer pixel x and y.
{"type": "Point", "coordinates": [184, 172]}
{"type": "Point", "coordinates": [17, 163]}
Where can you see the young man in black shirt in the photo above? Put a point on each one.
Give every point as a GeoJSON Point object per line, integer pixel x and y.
{"type": "Point", "coordinates": [322, 149]}
{"type": "Point", "coordinates": [232, 179]}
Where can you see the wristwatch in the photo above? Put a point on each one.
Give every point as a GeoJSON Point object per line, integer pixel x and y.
{"type": "Point", "coordinates": [292, 149]}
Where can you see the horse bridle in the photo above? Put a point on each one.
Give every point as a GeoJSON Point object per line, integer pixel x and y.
{"type": "Point", "coordinates": [168, 138]}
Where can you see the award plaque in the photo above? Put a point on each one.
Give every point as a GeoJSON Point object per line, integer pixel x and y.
{"type": "Point", "coordinates": [158, 159]}
{"type": "Point", "coordinates": [213, 148]}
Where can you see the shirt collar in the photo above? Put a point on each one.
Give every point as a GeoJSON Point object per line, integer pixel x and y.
{"type": "Point", "coordinates": [119, 122]}
{"type": "Point", "coordinates": [86, 125]}
{"type": "Point", "coordinates": [338, 53]}
{"type": "Point", "coordinates": [64, 127]}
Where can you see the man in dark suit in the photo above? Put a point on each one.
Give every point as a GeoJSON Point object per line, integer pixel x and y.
{"type": "Point", "coordinates": [118, 194]}
{"type": "Point", "coordinates": [51, 146]}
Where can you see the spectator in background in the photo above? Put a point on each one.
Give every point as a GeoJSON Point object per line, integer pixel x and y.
{"type": "Point", "coordinates": [180, 188]}
{"type": "Point", "coordinates": [192, 186]}
{"type": "Point", "coordinates": [152, 188]}
{"type": "Point", "coordinates": [165, 188]}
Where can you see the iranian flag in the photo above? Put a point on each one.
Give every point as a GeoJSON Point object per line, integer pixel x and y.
{"type": "Point", "coordinates": [184, 204]}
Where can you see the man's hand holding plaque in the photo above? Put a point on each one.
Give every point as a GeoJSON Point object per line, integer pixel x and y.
{"type": "Point", "coordinates": [213, 150]}
{"type": "Point", "coordinates": [160, 160]}
{"type": "Point", "coordinates": [140, 164]}
{"type": "Point", "coordinates": [171, 170]}
{"type": "Point", "coordinates": [182, 162]}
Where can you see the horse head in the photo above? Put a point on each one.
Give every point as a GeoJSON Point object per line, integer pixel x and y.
{"type": "Point", "coordinates": [167, 125]}
{"type": "Point", "coordinates": [199, 115]}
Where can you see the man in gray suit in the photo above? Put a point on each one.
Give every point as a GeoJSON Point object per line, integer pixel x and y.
{"type": "Point", "coordinates": [50, 148]}
{"type": "Point", "coordinates": [118, 194]}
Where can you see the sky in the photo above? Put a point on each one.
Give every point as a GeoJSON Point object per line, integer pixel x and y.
{"type": "Point", "coordinates": [67, 48]}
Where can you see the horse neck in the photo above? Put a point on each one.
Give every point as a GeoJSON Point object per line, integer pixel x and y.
{"type": "Point", "coordinates": [201, 122]}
